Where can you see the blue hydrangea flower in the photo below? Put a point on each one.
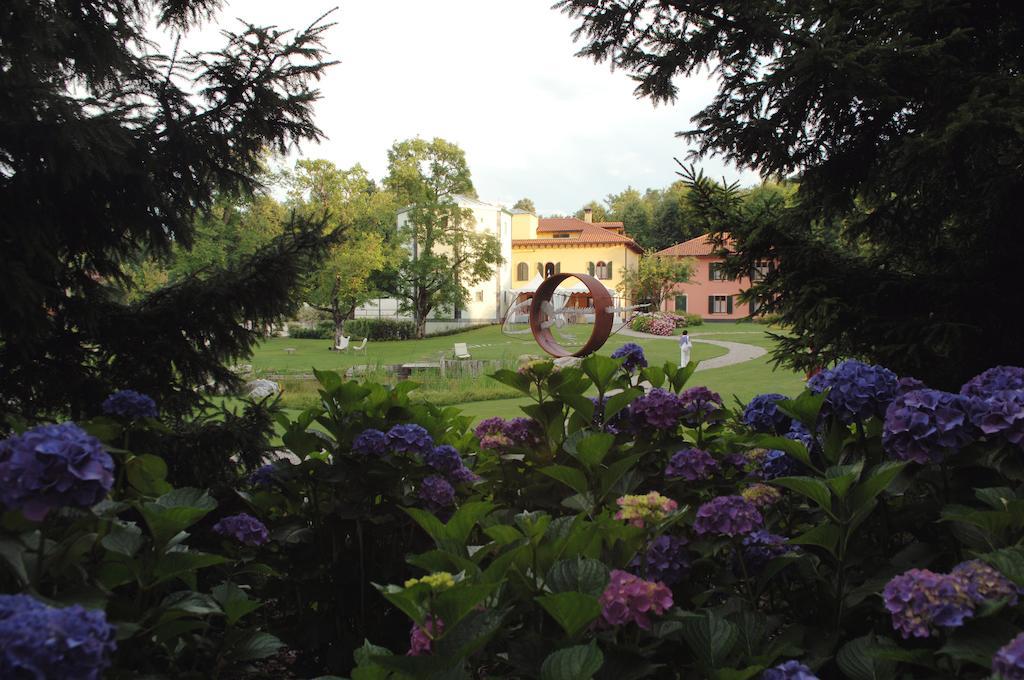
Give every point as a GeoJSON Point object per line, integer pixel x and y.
{"type": "Point", "coordinates": [1001, 414]}
{"type": "Point", "coordinates": [666, 560]}
{"type": "Point", "coordinates": [523, 431]}
{"type": "Point", "coordinates": [758, 548]}
{"type": "Point", "coordinates": [985, 583]}
{"type": "Point", "coordinates": [691, 465]}
{"type": "Point", "coordinates": [265, 475]}
{"type": "Point", "coordinates": [762, 414]}
{"type": "Point", "coordinates": [1008, 662]}
{"type": "Point", "coordinates": [995, 379]}
{"type": "Point", "coordinates": [857, 391]}
{"type": "Point", "coordinates": [371, 442]}
{"type": "Point", "coordinates": [925, 426]}
{"type": "Point", "coordinates": [243, 528]}
{"type": "Point", "coordinates": [437, 492]}
{"type": "Point", "coordinates": [632, 356]}
{"type": "Point", "coordinates": [409, 438]}
{"type": "Point", "coordinates": [611, 425]}
{"type": "Point", "coordinates": [921, 601]}
{"type": "Point", "coordinates": [446, 460]}
{"type": "Point", "coordinates": [37, 641]}
{"type": "Point", "coordinates": [908, 384]}
{"type": "Point", "coordinates": [775, 464]}
{"type": "Point", "coordinates": [53, 466]}
{"type": "Point", "coordinates": [700, 405]}
{"type": "Point", "coordinates": [657, 408]}
{"type": "Point", "coordinates": [130, 404]}
{"type": "Point", "coordinates": [790, 670]}
{"type": "Point", "coordinates": [727, 516]}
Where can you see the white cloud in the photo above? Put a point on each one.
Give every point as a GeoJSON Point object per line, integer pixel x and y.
{"type": "Point", "coordinates": [500, 79]}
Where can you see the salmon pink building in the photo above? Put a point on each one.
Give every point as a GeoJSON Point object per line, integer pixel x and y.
{"type": "Point", "coordinates": [709, 292]}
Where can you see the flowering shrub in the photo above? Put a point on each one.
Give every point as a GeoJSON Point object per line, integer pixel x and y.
{"type": "Point", "coordinates": [244, 529]}
{"type": "Point", "coordinates": [630, 599]}
{"type": "Point", "coordinates": [655, 323]}
{"type": "Point", "coordinates": [856, 391]}
{"type": "Point", "coordinates": [130, 404]}
{"type": "Point", "coordinates": [691, 465]}
{"type": "Point", "coordinates": [632, 356]}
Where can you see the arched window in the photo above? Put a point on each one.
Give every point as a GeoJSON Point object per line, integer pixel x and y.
{"type": "Point", "coordinates": [522, 271]}
{"type": "Point", "coordinates": [549, 269]}
{"type": "Point", "coordinates": [602, 270]}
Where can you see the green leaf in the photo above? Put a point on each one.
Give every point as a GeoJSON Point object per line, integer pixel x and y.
{"type": "Point", "coordinates": [464, 519]}
{"type": "Point", "coordinates": [978, 641]}
{"type": "Point", "coordinates": [790, 447]}
{"type": "Point", "coordinates": [804, 408]}
{"type": "Point", "coordinates": [235, 602]}
{"type": "Point", "coordinates": [256, 646]}
{"type": "Point", "coordinates": [571, 477]}
{"type": "Point", "coordinates": [812, 488]}
{"type": "Point", "coordinates": [503, 534]}
{"type": "Point", "coordinates": [366, 667]}
{"type": "Point", "coordinates": [124, 538]}
{"type": "Point", "coordinates": [190, 602]}
{"type": "Point", "coordinates": [619, 401]}
{"type": "Point", "coordinates": [710, 637]}
{"type": "Point", "coordinates": [601, 369]}
{"type": "Point", "coordinates": [513, 379]}
{"type": "Point", "coordinates": [681, 376]}
{"type": "Point", "coordinates": [614, 472]}
{"type": "Point", "coordinates": [453, 604]}
{"type": "Point", "coordinates": [406, 599]}
{"type": "Point", "coordinates": [841, 477]}
{"type": "Point", "coordinates": [12, 553]}
{"type": "Point", "coordinates": [572, 663]}
{"type": "Point", "coordinates": [592, 449]}
{"type": "Point", "coordinates": [573, 611]}
{"type": "Point", "coordinates": [654, 375]}
{"type": "Point", "coordinates": [580, 574]}
{"type": "Point", "coordinates": [148, 474]}
{"type": "Point", "coordinates": [432, 525]}
{"type": "Point", "coordinates": [1009, 562]}
{"type": "Point", "coordinates": [175, 511]}
{"type": "Point", "coordinates": [737, 673]}
{"type": "Point", "coordinates": [877, 481]}
{"type": "Point", "coordinates": [825, 536]}
{"type": "Point", "coordinates": [181, 564]}
{"type": "Point", "coordinates": [329, 380]}
{"type": "Point", "coordinates": [856, 663]}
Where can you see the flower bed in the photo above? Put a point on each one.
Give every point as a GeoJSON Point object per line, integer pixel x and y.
{"type": "Point", "coordinates": [869, 528]}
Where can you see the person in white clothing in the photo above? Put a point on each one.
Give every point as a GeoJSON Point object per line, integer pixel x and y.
{"type": "Point", "coordinates": [684, 348]}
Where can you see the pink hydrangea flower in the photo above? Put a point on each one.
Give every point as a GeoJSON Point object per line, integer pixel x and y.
{"type": "Point", "coordinates": [628, 598]}
{"type": "Point", "coordinates": [421, 637]}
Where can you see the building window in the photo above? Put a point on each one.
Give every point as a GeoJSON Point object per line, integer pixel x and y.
{"type": "Point", "coordinates": [604, 270]}
{"type": "Point", "coordinates": [761, 269]}
{"type": "Point", "coordinates": [561, 235]}
{"type": "Point", "coordinates": [719, 304]}
{"type": "Point", "coordinates": [479, 296]}
{"type": "Point", "coordinates": [549, 269]}
{"type": "Point", "coordinates": [716, 271]}
{"type": "Point", "coordinates": [680, 303]}
{"type": "Point", "coordinates": [522, 271]}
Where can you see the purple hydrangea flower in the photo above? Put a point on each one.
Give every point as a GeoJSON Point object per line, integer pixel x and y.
{"type": "Point", "coordinates": [799, 433]}
{"type": "Point", "coordinates": [523, 431]}
{"type": "Point", "coordinates": [908, 384]}
{"type": "Point", "coordinates": [437, 492]}
{"type": "Point", "coordinates": [777, 464]}
{"type": "Point", "coordinates": [761, 496]}
{"type": "Point", "coordinates": [666, 560]}
{"type": "Point", "coordinates": [691, 465]}
{"type": "Point", "coordinates": [265, 475]}
{"type": "Point", "coordinates": [790, 670]}
{"type": "Point", "coordinates": [857, 390]}
{"type": "Point", "coordinates": [446, 460]}
{"type": "Point", "coordinates": [38, 641]}
{"type": "Point", "coordinates": [498, 433]}
{"type": "Point", "coordinates": [130, 404]}
{"type": "Point", "coordinates": [371, 442]}
{"type": "Point", "coordinates": [409, 438]}
{"type": "Point", "coordinates": [611, 425]}
{"type": "Point", "coordinates": [632, 356]}
{"type": "Point", "coordinates": [1008, 662]}
{"type": "Point", "coordinates": [920, 601]}
{"type": "Point", "coordinates": [53, 466]}
{"type": "Point", "coordinates": [926, 425]}
{"type": "Point", "coordinates": [995, 379]}
{"type": "Point", "coordinates": [762, 414]}
{"type": "Point", "coordinates": [421, 637]}
{"type": "Point", "coordinates": [736, 461]}
{"type": "Point", "coordinates": [985, 583]}
{"type": "Point", "coordinates": [727, 516]}
{"type": "Point", "coordinates": [244, 529]}
{"type": "Point", "coordinates": [657, 408]}
{"type": "Point", "coordinates": [1001, 414]}
{"type": "Point", "coordinates": [700, 405]}
{"type": "Point", "coordinates": [758, 548]}
{"type": "Point", "coordinates": [628, 598]}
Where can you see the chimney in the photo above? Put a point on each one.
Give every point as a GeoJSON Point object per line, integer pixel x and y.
{"type": "Point", "coordinates": [588, 215]}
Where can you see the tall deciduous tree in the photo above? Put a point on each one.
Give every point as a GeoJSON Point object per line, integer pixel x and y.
{"type": "Point", "coordinates": [525, 204]}
{"type": "Point", "coordinates": [653, 278]}
{"type": "Point", "coordinates": [351, 201]}
{"type": "Point", "coordinates": [108, 152]}
{"type": "Point", "coordinates": [445, 254]}
{"type": "Point", "coordinates": [598, 213]}
{"type": "Point", "coordinates": [903, 121]}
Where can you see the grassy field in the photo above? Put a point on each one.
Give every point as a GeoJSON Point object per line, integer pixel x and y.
{"type": "Point", "coordinates": [482, 397]}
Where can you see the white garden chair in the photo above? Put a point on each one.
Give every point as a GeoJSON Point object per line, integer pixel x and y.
{"type": "Point", "coordinates": [342, 344]}
{"type": "Point", "coordinates": [360, 347]}
{"type": "Point", "coordinates": [461, 351]}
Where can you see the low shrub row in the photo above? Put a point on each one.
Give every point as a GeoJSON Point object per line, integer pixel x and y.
{"type": "Point", "coordinates": [380, 329]}
{"type": "Point", "coordinates": [323, 330]}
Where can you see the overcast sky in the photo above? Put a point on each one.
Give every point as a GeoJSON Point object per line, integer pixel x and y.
{"type": "Point", "coordinates": [500, 79]}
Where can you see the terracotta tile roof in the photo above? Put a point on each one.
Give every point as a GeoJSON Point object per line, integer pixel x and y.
{"type": "Point", "coordinates": [699, 245]}
{"type": "Point", "coordinates": [587, 237]}
{"type": "Point", "coordinates": [572, 224]}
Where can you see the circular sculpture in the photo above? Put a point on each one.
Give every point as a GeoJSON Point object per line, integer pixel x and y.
{"type": "Point", "coordinates": [544, 315]}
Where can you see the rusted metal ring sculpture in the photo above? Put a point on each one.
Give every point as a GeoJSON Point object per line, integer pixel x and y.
{"type": "Point", "coordinates": [540, 324]}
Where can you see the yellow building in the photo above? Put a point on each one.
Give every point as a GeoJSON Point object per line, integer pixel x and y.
{"type": "Point", "coordinates": [555, 245]}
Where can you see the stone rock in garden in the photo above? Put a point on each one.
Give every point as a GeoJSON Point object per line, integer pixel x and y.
{"type": "Point", "coordinates": [261, 389]}
{"type": "Point", "coordinates": [566, 362]}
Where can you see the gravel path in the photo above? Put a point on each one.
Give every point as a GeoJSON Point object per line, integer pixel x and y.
{"type": "Point", "coordinates": [737, 352]}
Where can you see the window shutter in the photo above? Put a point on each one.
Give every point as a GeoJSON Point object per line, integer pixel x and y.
{"type": "Point", "coordinates": [540, 268]}
{"type": "Point", "coordinates": [609, 269]}
{"type": "Point", "coordinates": [728, 304]}
{"type": "Point", "coordinates": [558, 267]}
{"type": "Point", "coordinates": [590, 268]}
{"type": "Point", "coordinates": [711, 304]}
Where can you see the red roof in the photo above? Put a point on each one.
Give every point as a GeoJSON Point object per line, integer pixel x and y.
{"type": "Point", "coordinates": [572, 224]}
{"type": "Point", "coordinates": [697, 246]}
